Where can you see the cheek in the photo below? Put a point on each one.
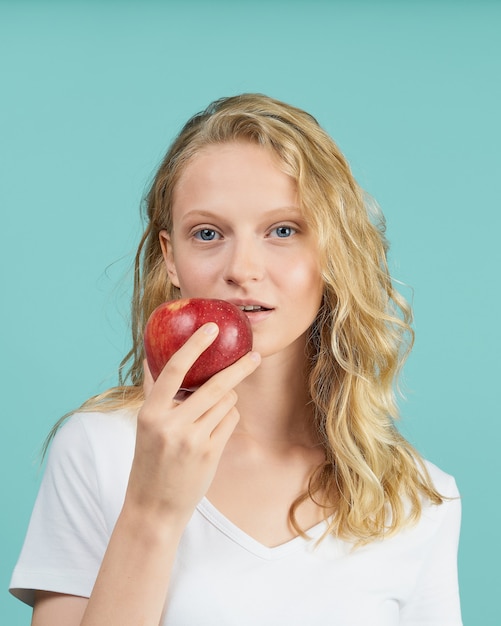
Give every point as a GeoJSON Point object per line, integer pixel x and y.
{"type": "Point", "coordinates": [305, 277]}
{"type": "Point", "coordinates": [196, 278]}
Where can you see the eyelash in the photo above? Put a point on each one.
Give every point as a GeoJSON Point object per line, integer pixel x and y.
{"type": "Point", "coordinates": [199, 234]}
{"type": "Point", "coordinates": [282, 227]}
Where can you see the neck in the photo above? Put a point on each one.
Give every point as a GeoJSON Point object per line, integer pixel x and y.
{"type": "Point", "coordinates": [274, 403]}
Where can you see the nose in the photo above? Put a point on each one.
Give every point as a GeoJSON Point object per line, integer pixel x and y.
{"type": "Point", "coordinates": [244, 263]}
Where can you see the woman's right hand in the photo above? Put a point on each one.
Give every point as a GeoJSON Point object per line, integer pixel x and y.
{"type": "Point", "coordinates": [179, 444]}
{"type": "Point", "coordinates": [178, 447]}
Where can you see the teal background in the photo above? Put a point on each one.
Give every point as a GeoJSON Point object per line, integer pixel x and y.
{"type": "Point", "coordinates": [91, 94]}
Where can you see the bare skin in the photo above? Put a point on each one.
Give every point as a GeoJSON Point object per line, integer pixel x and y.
{"type": "Point", "coordinates": [245, 439]}
{"type": "Point", "coordinates": [143, 545]}
{"type": "Point", "coordinates": [177, 451]}
{"type": "Point", "coordinates": [268, 460]}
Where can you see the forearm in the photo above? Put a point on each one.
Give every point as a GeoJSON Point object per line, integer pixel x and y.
{"type": "Point", "coordinates": [132, 583]}
{"type": "Point", "coordinates": [178, 447]}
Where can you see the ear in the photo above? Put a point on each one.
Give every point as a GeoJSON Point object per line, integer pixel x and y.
{"type": "Point", "coordinates": [168, 254]}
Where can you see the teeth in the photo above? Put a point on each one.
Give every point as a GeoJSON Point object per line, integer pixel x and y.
{"type": "Point", "coordinates": [251, 307]}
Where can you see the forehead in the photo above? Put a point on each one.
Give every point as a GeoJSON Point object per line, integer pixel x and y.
{"type": "Point", "coordinates": [238, 152]}
{"type": "Point", "coordinates": [231, 170]}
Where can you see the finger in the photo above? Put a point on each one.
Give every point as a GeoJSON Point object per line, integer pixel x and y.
{"type": "Point", "coordinates": [172, 375]}
{"type": "Point", "coordinates": [207, 422]}
{"type": "Point", "coordinates": [231, 376]}
{"type": "Point", "coordinates": [223, 431]}
{"type": "Point", "coordinates": [219, 385]}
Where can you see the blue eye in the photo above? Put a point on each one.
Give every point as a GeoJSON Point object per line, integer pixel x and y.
{"type": "Point", "coordinates": [284, 231]}
{"type": "Point", "coordinates": [206, 234]}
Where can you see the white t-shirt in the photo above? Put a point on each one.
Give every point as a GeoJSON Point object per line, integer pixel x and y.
{"type": "Point", "coordinates": [222, 576]}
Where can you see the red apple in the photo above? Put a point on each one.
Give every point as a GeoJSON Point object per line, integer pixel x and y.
{"type": "Point", "coordinates": [172, 323]}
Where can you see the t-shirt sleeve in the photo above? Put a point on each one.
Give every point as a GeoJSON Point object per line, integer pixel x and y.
{"type": "Point", "coordinates": [67, 534]}
{"type": "Point", "coordinates": [435, 599]}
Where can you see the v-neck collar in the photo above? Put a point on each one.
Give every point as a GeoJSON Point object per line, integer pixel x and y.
{"type": "Point", "coordinates": [236, 534]}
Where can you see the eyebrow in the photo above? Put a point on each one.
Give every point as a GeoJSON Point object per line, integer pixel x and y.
{"type": "Point", "coordinates": [278, 211]}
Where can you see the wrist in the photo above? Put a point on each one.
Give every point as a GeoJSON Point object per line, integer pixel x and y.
{"type": "Point", "coordinates": [153, 527]}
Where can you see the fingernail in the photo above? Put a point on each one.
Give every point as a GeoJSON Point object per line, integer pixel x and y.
{"type": "Point", "coordinates": [211, 328]}
{"type": "Point", "coordinates": [255, 356]}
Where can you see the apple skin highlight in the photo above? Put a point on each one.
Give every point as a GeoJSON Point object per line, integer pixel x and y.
{"type": "Point", "coordinates": [172, 323]}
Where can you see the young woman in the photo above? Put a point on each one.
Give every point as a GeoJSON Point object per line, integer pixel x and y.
{"type": "Point", "coordinates": [279, 492]}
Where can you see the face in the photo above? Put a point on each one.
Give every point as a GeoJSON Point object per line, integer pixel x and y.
{"type": "Point", "coordinates": [239, 235]}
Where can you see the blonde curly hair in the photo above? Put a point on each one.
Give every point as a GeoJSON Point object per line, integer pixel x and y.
{"type": "Point", "coordinates": [372, 478]}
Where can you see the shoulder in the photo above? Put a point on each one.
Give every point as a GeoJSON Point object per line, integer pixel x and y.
{"type": "Point", "coordinates": [95, 427]}
{"type": "Point", "coordinates": [443, 520]}
{"type": "Point", "coordinates": [89, 461]}
{"type": "Point", "coordinates": [443, 482]}
{"type": "Point", "coordinates": [94, 438]}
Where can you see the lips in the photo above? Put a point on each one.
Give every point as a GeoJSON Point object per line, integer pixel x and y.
{"type": "Point", "coordinates": [251, 306]}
